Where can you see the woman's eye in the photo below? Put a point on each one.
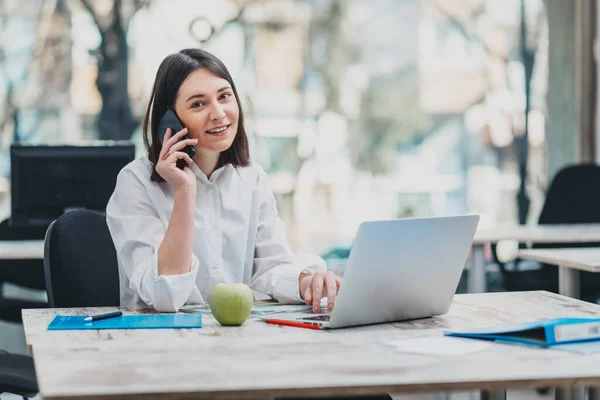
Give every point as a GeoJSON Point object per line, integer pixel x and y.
{"type": "Point", "coordinates": [225, 96]}
{"type": "Point", "coordinates": [197, 104]}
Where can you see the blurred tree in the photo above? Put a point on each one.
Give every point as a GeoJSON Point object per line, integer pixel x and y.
{"type": "Point", "coordinates": [112, 18]}
{"type": "Point", "coordinates": [389, 114]}
{"type": "Point", "coordinates": [332, 51]}
{"type": "Point", "coordinates": [527, 51]}
{"type": "Point", "coordinates": [524, 49]}
{"type": "Point", "coordinates": [37, 71]}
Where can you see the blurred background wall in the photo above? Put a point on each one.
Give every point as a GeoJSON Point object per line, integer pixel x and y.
{"type": "Point", "coordinates": [358, 109]}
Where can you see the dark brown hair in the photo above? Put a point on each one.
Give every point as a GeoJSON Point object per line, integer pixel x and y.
{"type": "Point", "coordinates": [174, 69]}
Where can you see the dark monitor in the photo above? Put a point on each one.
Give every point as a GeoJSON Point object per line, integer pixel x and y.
{"type": "Point", "coordinates": [49, 180]}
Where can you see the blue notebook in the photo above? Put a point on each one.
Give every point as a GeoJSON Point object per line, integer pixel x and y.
{"type": "Point", "coordinates": [140, 321]}
{"type": "Point", "coordinates": [545, 333]}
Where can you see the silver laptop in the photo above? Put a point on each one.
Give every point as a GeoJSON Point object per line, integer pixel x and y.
{"type": "Point", "coordinates": [398, 270]}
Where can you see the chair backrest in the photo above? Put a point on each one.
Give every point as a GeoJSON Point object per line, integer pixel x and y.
{"type": "Point", "coordinates": [573, 196]}
{"type": "Point", "coordinates": [80, 261]}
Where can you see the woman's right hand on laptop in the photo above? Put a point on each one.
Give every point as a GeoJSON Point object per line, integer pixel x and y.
{"type": "Point", "coordinates": [322, 284]}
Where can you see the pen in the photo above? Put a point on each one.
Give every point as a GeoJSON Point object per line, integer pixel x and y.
{"type": "Point", "coordinates": [293, 323]}
{"type": "Point", "coordinates": [104, 316]}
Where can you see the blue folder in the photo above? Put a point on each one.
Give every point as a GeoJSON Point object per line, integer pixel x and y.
{"type": "Point", "coordinates": [140, 321]}
{"type": "Point", "coordinates": [544, 333]}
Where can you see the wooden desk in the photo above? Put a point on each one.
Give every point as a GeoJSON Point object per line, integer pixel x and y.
{"type": "Point", "coordinates": [259, 360]}
{"type": "Point", "coordinates": [21, 249]}
{"type": "Point", "coordinates": [569, 261]}
{"type": "Point", "coordinates": [558, 233]}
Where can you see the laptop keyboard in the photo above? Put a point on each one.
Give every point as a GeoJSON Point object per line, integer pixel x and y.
{"type": "Point", "coordinates": [318, 318]}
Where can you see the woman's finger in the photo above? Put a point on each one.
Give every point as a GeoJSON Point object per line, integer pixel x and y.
{"type": "Point", "coordinates": [317, 290]}
{"type": "Point", "coordinates": [308, 295]}
{"type": "Point", "coordinates": [175, 138]}
{"type": "Point", "coordinates": [163, 149]}
{"type": "Point", "coordinates": [338, 282]}
{"type": "Point", "coordinates": [181, 144]}
{"type": "Point", "coordinates": [331, 286]}
{"type": "Point", "coordinates": [178, 155]}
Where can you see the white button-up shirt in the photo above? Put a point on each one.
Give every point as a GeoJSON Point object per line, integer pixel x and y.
{"type": "Point", "coordinates": [238, 237]}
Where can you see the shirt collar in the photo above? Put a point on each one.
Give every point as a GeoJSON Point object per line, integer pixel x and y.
{"type": "Point", "coordinates": [201, 176]}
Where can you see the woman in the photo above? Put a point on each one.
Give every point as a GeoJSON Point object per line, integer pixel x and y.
{"type": "Point", "coordinates": [178, 232]}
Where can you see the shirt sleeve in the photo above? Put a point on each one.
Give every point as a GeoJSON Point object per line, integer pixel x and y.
{"type": "Point", "coordinates": [137, 233]}
{"type": "Point", "coordinates": [276, 267]}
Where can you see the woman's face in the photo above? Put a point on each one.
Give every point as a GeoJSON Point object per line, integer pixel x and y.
{"type": "Point", "coordinates": [206, 105]}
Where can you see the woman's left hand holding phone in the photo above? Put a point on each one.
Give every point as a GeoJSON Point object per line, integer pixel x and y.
{"type": "Point", "coordinates": [170, 153]}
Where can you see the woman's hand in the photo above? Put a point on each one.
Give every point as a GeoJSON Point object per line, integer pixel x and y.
{"type": "Point", "coordinates": [168, 157]}
{"type": "Point", "coordinates": [322, 284]}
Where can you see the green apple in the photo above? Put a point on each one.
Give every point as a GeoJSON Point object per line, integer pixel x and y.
{"type": "Point", "coordinates": [231, 303]}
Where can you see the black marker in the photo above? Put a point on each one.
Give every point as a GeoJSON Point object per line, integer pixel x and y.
{"type": "Point", "coordinates": [104, 316]}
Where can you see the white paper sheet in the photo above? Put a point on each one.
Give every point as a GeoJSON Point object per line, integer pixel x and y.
{"type": "Point", "coordinates": [580, 348]}
{"type": "Point", "coordinates": [438, 345]}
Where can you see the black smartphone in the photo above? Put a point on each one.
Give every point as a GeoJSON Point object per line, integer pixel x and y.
{"type": "Point", "coordinates": [170, 120]}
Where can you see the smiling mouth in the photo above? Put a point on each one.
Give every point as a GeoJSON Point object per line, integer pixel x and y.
{"type": "Point", "coordinates": [222, 130]}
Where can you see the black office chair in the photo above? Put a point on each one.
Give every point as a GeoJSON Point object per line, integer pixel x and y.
{"type": "Point", "coordinates": [17, 375]}
{"type": "Point", "coordinates": [80, 261]}
{"type": "Point", "coordinates": [27, 273]}
{"type": "Point", "coordinates": [573, 197]}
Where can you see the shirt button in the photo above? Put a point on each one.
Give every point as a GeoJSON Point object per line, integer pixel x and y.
{"type": "Point", "coordinates": [215, 225]}
{"type": "Point", "coordinates": [211, 185]}
{"type": "Point", "coordinates": [215, 266]}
